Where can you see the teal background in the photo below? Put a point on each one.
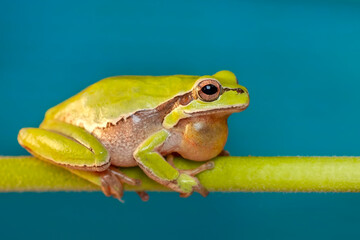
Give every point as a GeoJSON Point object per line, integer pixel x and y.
{"type": "Point", "coordinates": [300, 61]}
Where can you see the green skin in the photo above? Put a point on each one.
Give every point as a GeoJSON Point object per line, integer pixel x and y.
{"type": "Point", "coordinates": [95, 131]}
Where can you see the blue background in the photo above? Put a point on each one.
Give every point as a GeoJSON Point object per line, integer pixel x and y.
{"type": "Point", "coordinates": [300, 61]}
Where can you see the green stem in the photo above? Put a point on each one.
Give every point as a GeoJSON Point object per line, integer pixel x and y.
{"type": "Point", "coordinates": [231, 174]}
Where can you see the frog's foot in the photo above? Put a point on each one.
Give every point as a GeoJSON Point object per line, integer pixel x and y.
{"type": "Point", "coordinates": [196, 185]}
{"type": "Point", "coordinates": [224, 153]}
{"type": "Point", "coordinates": [170, 160]}
{"type": "Point", "coordinates": [112, 181]}
{"type": "Point", "coordinates": [191, 173]}
{"type": "Point", "coordinates": [111, 185]}
{"type": "Point", "coordinates": [143, 195]}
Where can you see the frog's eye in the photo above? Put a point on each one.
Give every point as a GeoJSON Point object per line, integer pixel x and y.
{"type": "Point", "coordinates": [208, 90]}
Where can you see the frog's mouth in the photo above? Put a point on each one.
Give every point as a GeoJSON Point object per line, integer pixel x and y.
{"type": "Point", "coordinates": [234, 101]}
{"type": "Point", "coordinates": [220, 111]}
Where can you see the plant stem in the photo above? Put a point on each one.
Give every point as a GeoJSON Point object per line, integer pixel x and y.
{"type": "Point", "coordinates": [231, 174]}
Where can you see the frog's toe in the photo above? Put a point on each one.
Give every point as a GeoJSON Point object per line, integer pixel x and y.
{"type": "Point", "coordinates": [196, 188]}
{"type": "Point", "coordinates": [143, 195]}
{"type": "Point", "coordinates": [124, 178]}
{"type": "Point", "coordinates": [201, 189]}
{"type": "Point", "coordinates": [224, 153]}
{"type": "Point", "coordinates": [111, 185]}
{"type": "Point", "coordinates": [206, 166]}
{"type": "Point", "coordinates": [185, 195]}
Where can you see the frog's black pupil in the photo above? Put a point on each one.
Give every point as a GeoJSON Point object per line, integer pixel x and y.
{"type": "Point", "coordinates": [209, 89]}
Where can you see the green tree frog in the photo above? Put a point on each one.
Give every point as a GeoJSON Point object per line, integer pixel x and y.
{"type": "Point", "coordinates": [127, 121]}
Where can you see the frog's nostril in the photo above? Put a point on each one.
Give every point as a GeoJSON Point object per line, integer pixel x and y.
{"type": "Point", "coordinates": [239, 90]}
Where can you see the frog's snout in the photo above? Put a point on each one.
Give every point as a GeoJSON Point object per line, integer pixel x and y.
{"type": "Point", "coordinates": [240, 90]}
{"type": "Point", "coordinates": [244, 97]}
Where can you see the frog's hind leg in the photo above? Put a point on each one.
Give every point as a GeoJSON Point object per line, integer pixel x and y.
{"type": "Point", "coordinates": [131, 181]}
{"type": "Point", "coordinates": [78, 151]}
{"type": "Point", "coordinates": [111, 181]}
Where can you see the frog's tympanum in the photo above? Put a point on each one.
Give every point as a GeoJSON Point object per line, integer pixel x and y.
{"type": "Point", "coordinates": [128, 121]}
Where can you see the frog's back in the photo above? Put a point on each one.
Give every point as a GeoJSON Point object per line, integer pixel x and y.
{"type": "Point", "coordinates": [116, 98]}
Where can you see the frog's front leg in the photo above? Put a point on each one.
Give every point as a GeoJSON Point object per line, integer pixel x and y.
{"type": "Point", "coordinates": [78, 151]}
{"type": "Point", "coordinates": [192, 172]}
{"type": "Point", "coordinates": [157, 168]}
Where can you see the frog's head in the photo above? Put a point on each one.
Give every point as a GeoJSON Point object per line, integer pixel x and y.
{"type": "Point", "coordinates": [219, 92]}
{"type": "Point", "coordinates": [216, 94]}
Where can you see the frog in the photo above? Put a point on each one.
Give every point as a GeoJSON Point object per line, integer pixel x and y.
{"type": "Point", "coordinates": [140, 121]}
